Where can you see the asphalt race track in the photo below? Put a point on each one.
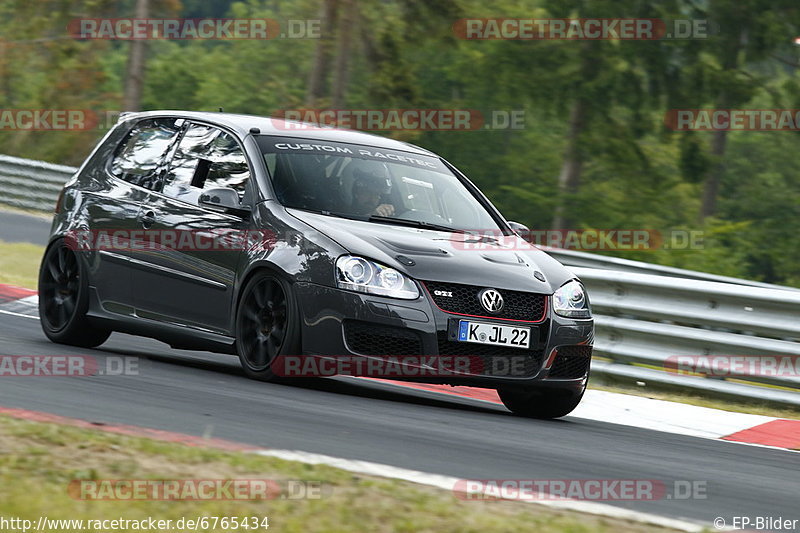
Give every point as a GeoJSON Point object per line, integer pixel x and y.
{"type": "Point", "coordinates": [207, 394]}
{"type": "Point", "coordinates": [18, 227]}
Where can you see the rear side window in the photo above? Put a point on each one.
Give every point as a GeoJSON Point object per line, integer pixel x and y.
{"type": "Point", "coordinates": [206, 158]}
{"type": "Point", "coordinates": [139, 159]}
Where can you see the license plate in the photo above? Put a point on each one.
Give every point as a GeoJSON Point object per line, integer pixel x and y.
{"type": "Point", "coordinates": [495, 334]}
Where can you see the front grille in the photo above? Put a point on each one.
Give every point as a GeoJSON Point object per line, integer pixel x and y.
{"type": "Point", "coordinates": [572, 362]}
{"type": "Point", "coordinates": [370, 339]}
{"type": "Point", "coordinates": [517, 305]}
{"type": "Point", "coordinates": [495, 361]}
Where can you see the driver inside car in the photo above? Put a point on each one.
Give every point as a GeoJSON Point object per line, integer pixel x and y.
{"type": "Point", "coordinates": [369, 186]}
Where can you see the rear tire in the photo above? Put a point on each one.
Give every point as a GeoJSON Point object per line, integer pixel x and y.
{"type": "Point", "coordinates": [64, 299]}
{"type": "Point", "coordinates": [267, 325]}
{"type": "Point", "coordinates": [542, 403]}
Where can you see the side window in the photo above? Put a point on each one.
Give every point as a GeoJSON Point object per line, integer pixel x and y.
{"type": "Point", "coordinates": [206, 158]}
{"type": "Point", "coordinates": [140, 157]}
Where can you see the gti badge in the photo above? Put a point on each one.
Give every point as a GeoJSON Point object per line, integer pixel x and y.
{"type": "Point", "coordinates": [491, 300]}
{"type": "Point", "coordinates": [449, 294]}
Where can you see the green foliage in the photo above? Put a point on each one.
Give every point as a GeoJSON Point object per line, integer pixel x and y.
{"type": "Point", "coordinates": [636, 173]}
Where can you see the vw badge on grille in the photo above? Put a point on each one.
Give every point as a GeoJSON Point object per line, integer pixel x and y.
{"type": "Point", "coordinates": [491, 300]}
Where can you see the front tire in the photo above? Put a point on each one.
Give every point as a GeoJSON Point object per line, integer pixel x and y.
{"type": "Point", "coordinates": [64, 299]}
{"type": "Point", "coordinates": [542, 403]}
{"type": "Point", "coordinates": [267, 325]}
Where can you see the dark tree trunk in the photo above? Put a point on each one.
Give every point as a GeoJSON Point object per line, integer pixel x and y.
{"type": "Point", "coordinates": [322, 55]}
{"type": "Point", "coordinates": [570, 177]}
{"type": "Point", "coordinates": [716, 170]}
{"type": "Point", "coordinates": [134, 79]}
{"type": "Point", "coordinates": [714, 175]}
{"type": "Point", "coordinates": [343, 46]}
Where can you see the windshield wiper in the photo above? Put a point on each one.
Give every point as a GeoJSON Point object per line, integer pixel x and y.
{"type": "Point", "coordinates": [413, 223]}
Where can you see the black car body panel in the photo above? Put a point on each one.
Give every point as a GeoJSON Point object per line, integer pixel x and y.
{"type": "Point", "coordinates": [440, 256]}
{"type": "Point", "coordinates": [189, 298]}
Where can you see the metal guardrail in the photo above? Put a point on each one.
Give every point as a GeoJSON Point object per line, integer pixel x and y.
{"type": "Point", "coordinates": [28, 184]}
{"type": "Point", "coordinates": [645, 313]}
{"type": "Point", "coordinates": [646, 323]}
{"type": "Point", "coordinates": [593, 260]}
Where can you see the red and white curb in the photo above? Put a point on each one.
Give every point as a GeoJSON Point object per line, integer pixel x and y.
{"type": "Point", "coordinates": [614, 408]}
{"type": "Point", "coordinates": [657, 415]}
{"type": "Point", "coordinates": [17, 301]}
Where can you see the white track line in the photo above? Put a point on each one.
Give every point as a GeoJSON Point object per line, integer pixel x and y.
{"type": "Point", "coordinates": [17, 314]}
{"type": "Point", "coordinates": [449, 482]}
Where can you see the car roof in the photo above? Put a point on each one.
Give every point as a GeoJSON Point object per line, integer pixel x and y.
{"type": "Point", "coordinates": [242, 124]}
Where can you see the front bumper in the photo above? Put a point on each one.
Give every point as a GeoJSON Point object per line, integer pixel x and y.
{"type": "Point", "coordinates": [342, 323]}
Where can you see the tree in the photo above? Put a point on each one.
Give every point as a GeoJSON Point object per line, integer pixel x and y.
{"type": "Point", "coordinates": [322, 52]}
{"type": "Point", "coordinates": [749, 33]}
{"type": "Point", "coordinates": [134, 78]}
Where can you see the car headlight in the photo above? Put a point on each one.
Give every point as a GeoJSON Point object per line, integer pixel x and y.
{"type": "Point", "coordinates": [571, 301]}
{"type": "Point", "coordinates": [362, 275]}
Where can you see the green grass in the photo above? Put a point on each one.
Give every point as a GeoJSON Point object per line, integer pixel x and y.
{"type": "Point", "coordinates": [19, 263]}
{"type": "Point", "coordinates": [38, 461]}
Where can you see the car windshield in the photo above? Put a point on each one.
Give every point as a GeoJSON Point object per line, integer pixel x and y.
{"type": "Point", "coordinates": [369, 183]}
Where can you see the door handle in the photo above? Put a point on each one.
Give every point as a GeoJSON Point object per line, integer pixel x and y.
{"type": "Point", "coordinates": [147, 219]}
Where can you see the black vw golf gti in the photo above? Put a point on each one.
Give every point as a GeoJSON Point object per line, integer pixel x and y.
{"type": "Point", "coordinates": [274, 240]}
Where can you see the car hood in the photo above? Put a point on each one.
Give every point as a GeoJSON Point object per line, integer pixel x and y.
{"type": "Point", "coordinates": [510, 263]}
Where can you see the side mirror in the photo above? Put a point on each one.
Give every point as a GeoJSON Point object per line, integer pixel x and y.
{"type": "Point", "coordinates": [223, 199]}
{"type": "Point", "coordinates": [520, 229]}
